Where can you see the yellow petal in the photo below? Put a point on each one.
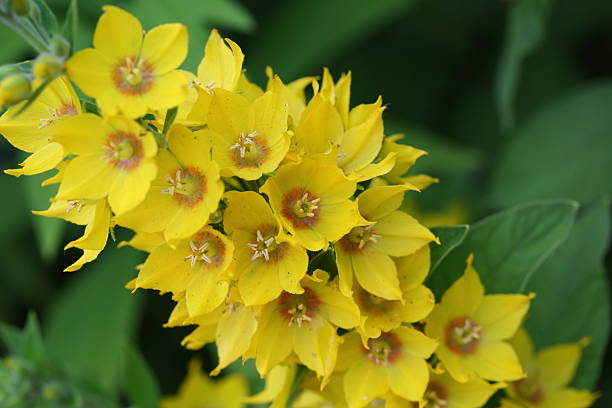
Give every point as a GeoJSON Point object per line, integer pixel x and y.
{"type": "Point", "coordinates": [317, 348]}
{"type": "Point", "coordinates": [233, 337]}
{"type": "Point", "coordinates": [464, 297]}
{"type": "Point", "coordinates": [247, 211]}
{"type": "Point", "coordinates": [343, 97]}
{"type": "Point", "coordinates": [92, 72]}
{"type": "Point", "coordinates": [205, 292]}
{"type": "Point", "coordinates": [165, 47]}
{"type": "Point", "coordinates": [130, 188]}
{"type": "Point", "coordinates": [376, 273]}
{"type": "Point", "coordinates": [378, 202]}
{"type": "Point", "coordinates": [258, 283]}
{"type": "Point", "coordinates": [167, 91]}
{"type": "Point", "coordinates": [221, 65]}
{"type": "Point", "coordinates": [274, 345]}
{"type": "Point", "coordinates": [88, 256]}
{"type": "Point", "coordinates": [320, 126]}
{"type": "Point", "coordinates": [522, 344]}
{"type": "Point", "coordinates": [337, 308]}
{"type": "Point", "coordinates": [401, 235]}
{"type": "Point", "coordinates": [96, 232]}
{"type": "Point", "coordinates": [501, 315]}
{"type": "Point", "coordinates": [83, 134]}
{"type": "Point", "coordinates": [271, 111]}
{"type": "Point", "coordinates": [570, 398]}
{"type": "Point", "coordinates": [247, 88]}
{"type": "Point", "coordinates": [419, 302]}
{"type": "Point", "coordinates": [455, 365]}
{"type": "Point", "coordinates": [86, 177]}
{"type": "Point", "coordinates": [415, 343]}
{"type": "Point", "coordinates": [165, 270]}
{"type": "Point", "coordinates": [198, 338]}
{"type": "Point", "coordinates": [118, 33]}
{"type": "Point", "coordinates": [279, 378]}
{"type": "Point", "coordinates": [413, 269]}
{"type": "Point", "coordinates": [230, 114]}
{"type": "Point", "coordinates": [557, 365]}
{"type": "Point", "coordinates": [408, 377]}
{"type": "Point", "coordinates": [374, 169]}
{"type": "Point", "coordinates": [44, 159]}
{"type": "Point", "coordinates": [471, 394]}
{"type": "Point", "coordinates": [496, 361]}
{"type": "Point", "coordinates": [363, 382]}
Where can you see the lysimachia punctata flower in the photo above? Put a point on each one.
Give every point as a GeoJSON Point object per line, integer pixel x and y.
{"type": "Point", "coordinates": [32, 130]}
{"type": "Point", "coordinates": [273, 217]}
{"type": "Point", "coordinates": [549, 373]}
{"type": "Point", "coordinates": [128, 73]}
{"type": "Point", "coordinates": [366, 251]}
{"type": "Point", "coordinates": [473, 330]}
{"type": "Point", "coordinates": [115, 158]}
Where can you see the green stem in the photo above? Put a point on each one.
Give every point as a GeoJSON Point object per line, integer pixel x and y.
{"type": "Point", "coordinates": [75, 24]}
{"type": "Point", "coordinates": [32, 38]}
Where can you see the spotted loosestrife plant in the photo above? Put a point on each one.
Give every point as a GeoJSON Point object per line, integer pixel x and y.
{"type": "Point", "coordinates": [275, 222]}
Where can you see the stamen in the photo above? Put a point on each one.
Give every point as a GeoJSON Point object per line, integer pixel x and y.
{"type": "Point", "coordinates": [72, 204]}
{"type": "Point", "coordinates": [261, 248]}
{"type": "Point", "coordinates": [198, 253]}
{"type": "Point", "coordinates": [243, 141]}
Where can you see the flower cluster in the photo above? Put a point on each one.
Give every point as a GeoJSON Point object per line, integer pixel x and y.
{"type": "Point", "coordinates": [273, 219]}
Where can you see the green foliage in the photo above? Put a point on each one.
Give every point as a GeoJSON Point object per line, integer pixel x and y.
{"type": "Point", "coordinates": [524, 33]}
{"type": "Point", "coordinates": [199, 15]}
{"type": "Point", "coordinates": [140, 382]}
{"type": "Point", "coordinates": [572, 293]}
{"type": "Point", "coordinates": [564, 151]}
{"type": "Point", "coordinates": [311, 31]}
{"type": "Point", "coordinates": [450, 238]}
{"type": "Point", "coordinates": [509, 246]}
{"type": "Point", "coordinates": [91, 323]}
{"type": "Point", "coordinates": [49, 231]}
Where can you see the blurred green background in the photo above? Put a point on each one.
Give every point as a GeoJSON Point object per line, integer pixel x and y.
{"type": "Point", "coordinates": [513, 100]}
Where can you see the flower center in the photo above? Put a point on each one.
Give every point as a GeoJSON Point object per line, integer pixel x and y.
{"type": "Point", "coordinates": [463, 335]}
{"type": "Point", "coordinates": [133, 76]}
{"type": "Point", "coordinates": [301, 207]}
{"type": "Point", "coordinates": [206, 250]}
{"type": "Point", "coordinates": [187, 186]}
{"type": "Point", "coordinates": [67, 109]}
{"type": "Point", "coordinates": [249, 150]}
{"type": "Point", "coordinates": [262, 246]}
{"type": "Point", "coordinates": [530, 389]}
{"type": "Point", "coordinates": [384, 350]}
{"type": "Point", "coordinates": [299, 309]}
{"type": "Point", "coordinates": [435, 396]}
{"type": "Point", "coordinates": [374, 305]}
{"type": "Point", "coordinates": [124, 150]}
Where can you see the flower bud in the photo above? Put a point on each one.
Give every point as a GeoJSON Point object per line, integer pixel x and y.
{"type": "Point", "coordinates": [14, 88]}
{"type": "Point", "coordinates": [60, 46]}
{"type": "Point", "coordinates": [21, 7]}
{"type": "Point", "coordinates": [47, 66]}
{"type": "Point", "coordinates": [9, 69]}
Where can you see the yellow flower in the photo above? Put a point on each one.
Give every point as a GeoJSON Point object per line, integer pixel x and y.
{"type": "Point", "coordinates": [32, 130]}
{"type": "Point", "coordinates": [379, 314]}
{"type": "Point", "coordinates": [265, 261]}
{"type": "Point", "coordinates": [549, 373]}
{"type": "Point", "coordinates": [405, 159]}
{"type": "Point", "coordinates": [293, 93]}
{"type": "Point", "coordinates": [305, 324]}
{"type": "Point", "coordinates": [366, 250]}
{"type": "Point", "coordinates": [220, 68]}
{"type": "Point", "coordinates": [394, 362]}
{"type": "Point", "coordinates": [197, 390]}
{"type": "Point", "coordinates": [184, 194]}
{"type": "Point", "coordinates": [96, 217]}
{"type": "Point", "coordinates": [130, 74]}
{"type": "Point", "coordinates": [196, 266]}
{"type": "Point", "coordinates": [472, 329]}
{"type": "Point", "coordinates": [312, 200]}
{"type": "Point", "coordinates": [115, 158]}
{"type": "Point", "coordinates": [248, 139]}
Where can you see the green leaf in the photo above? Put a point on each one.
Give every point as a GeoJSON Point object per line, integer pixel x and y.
{"type": "Point", "coordinates": [509, 246]}
{"type": "Point", "coordinates": [572, 293]}
{"type": "Point", "coordinates": [524, 32]}
{"type": "Point", "coordinates": [140, 382]}
{"type": "Point", "coordinates": [198, 15]}
{"type": "Point", "coordinates": [450, 237]}
{"type": "Point", "coordinates": [564, 151]}
{"type": "Point", "coordinates": [32, 348]}
{"type": "Point", "coordinates": [11, 337]}
{"type": "Point", "coordinates": [47, 17]}
{"type": "Point", "coordinates": [91, 323]}
{"type": "Point", "coordinates": [49, 231]}
{"type": "Point", "coordinates": [302, 35]}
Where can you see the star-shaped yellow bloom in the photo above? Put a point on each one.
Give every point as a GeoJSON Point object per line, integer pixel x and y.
{"type": "Point", "coordinates": [473, 329]}
{"type": "Point", "coordinates": [115, 158]}
{"type": "Point", "coordinates": [394, 361]}
{"type": "Point", "coordinates": [549, 372]}
{"type": "Point", "coordinates": [366, 251]}
{"type": "Point", "coordinates": [312, 200]}
{"type": "Point", "coordinates": [265, 262]}
{"type": "Point", "coordinates": [32, 131]}
{"type": "Point", "coordinates": [128, 73]}
{"type": "Point", "coordinates": [305, 324]}
{"type": "Point", "coordinates": [186, 191]}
